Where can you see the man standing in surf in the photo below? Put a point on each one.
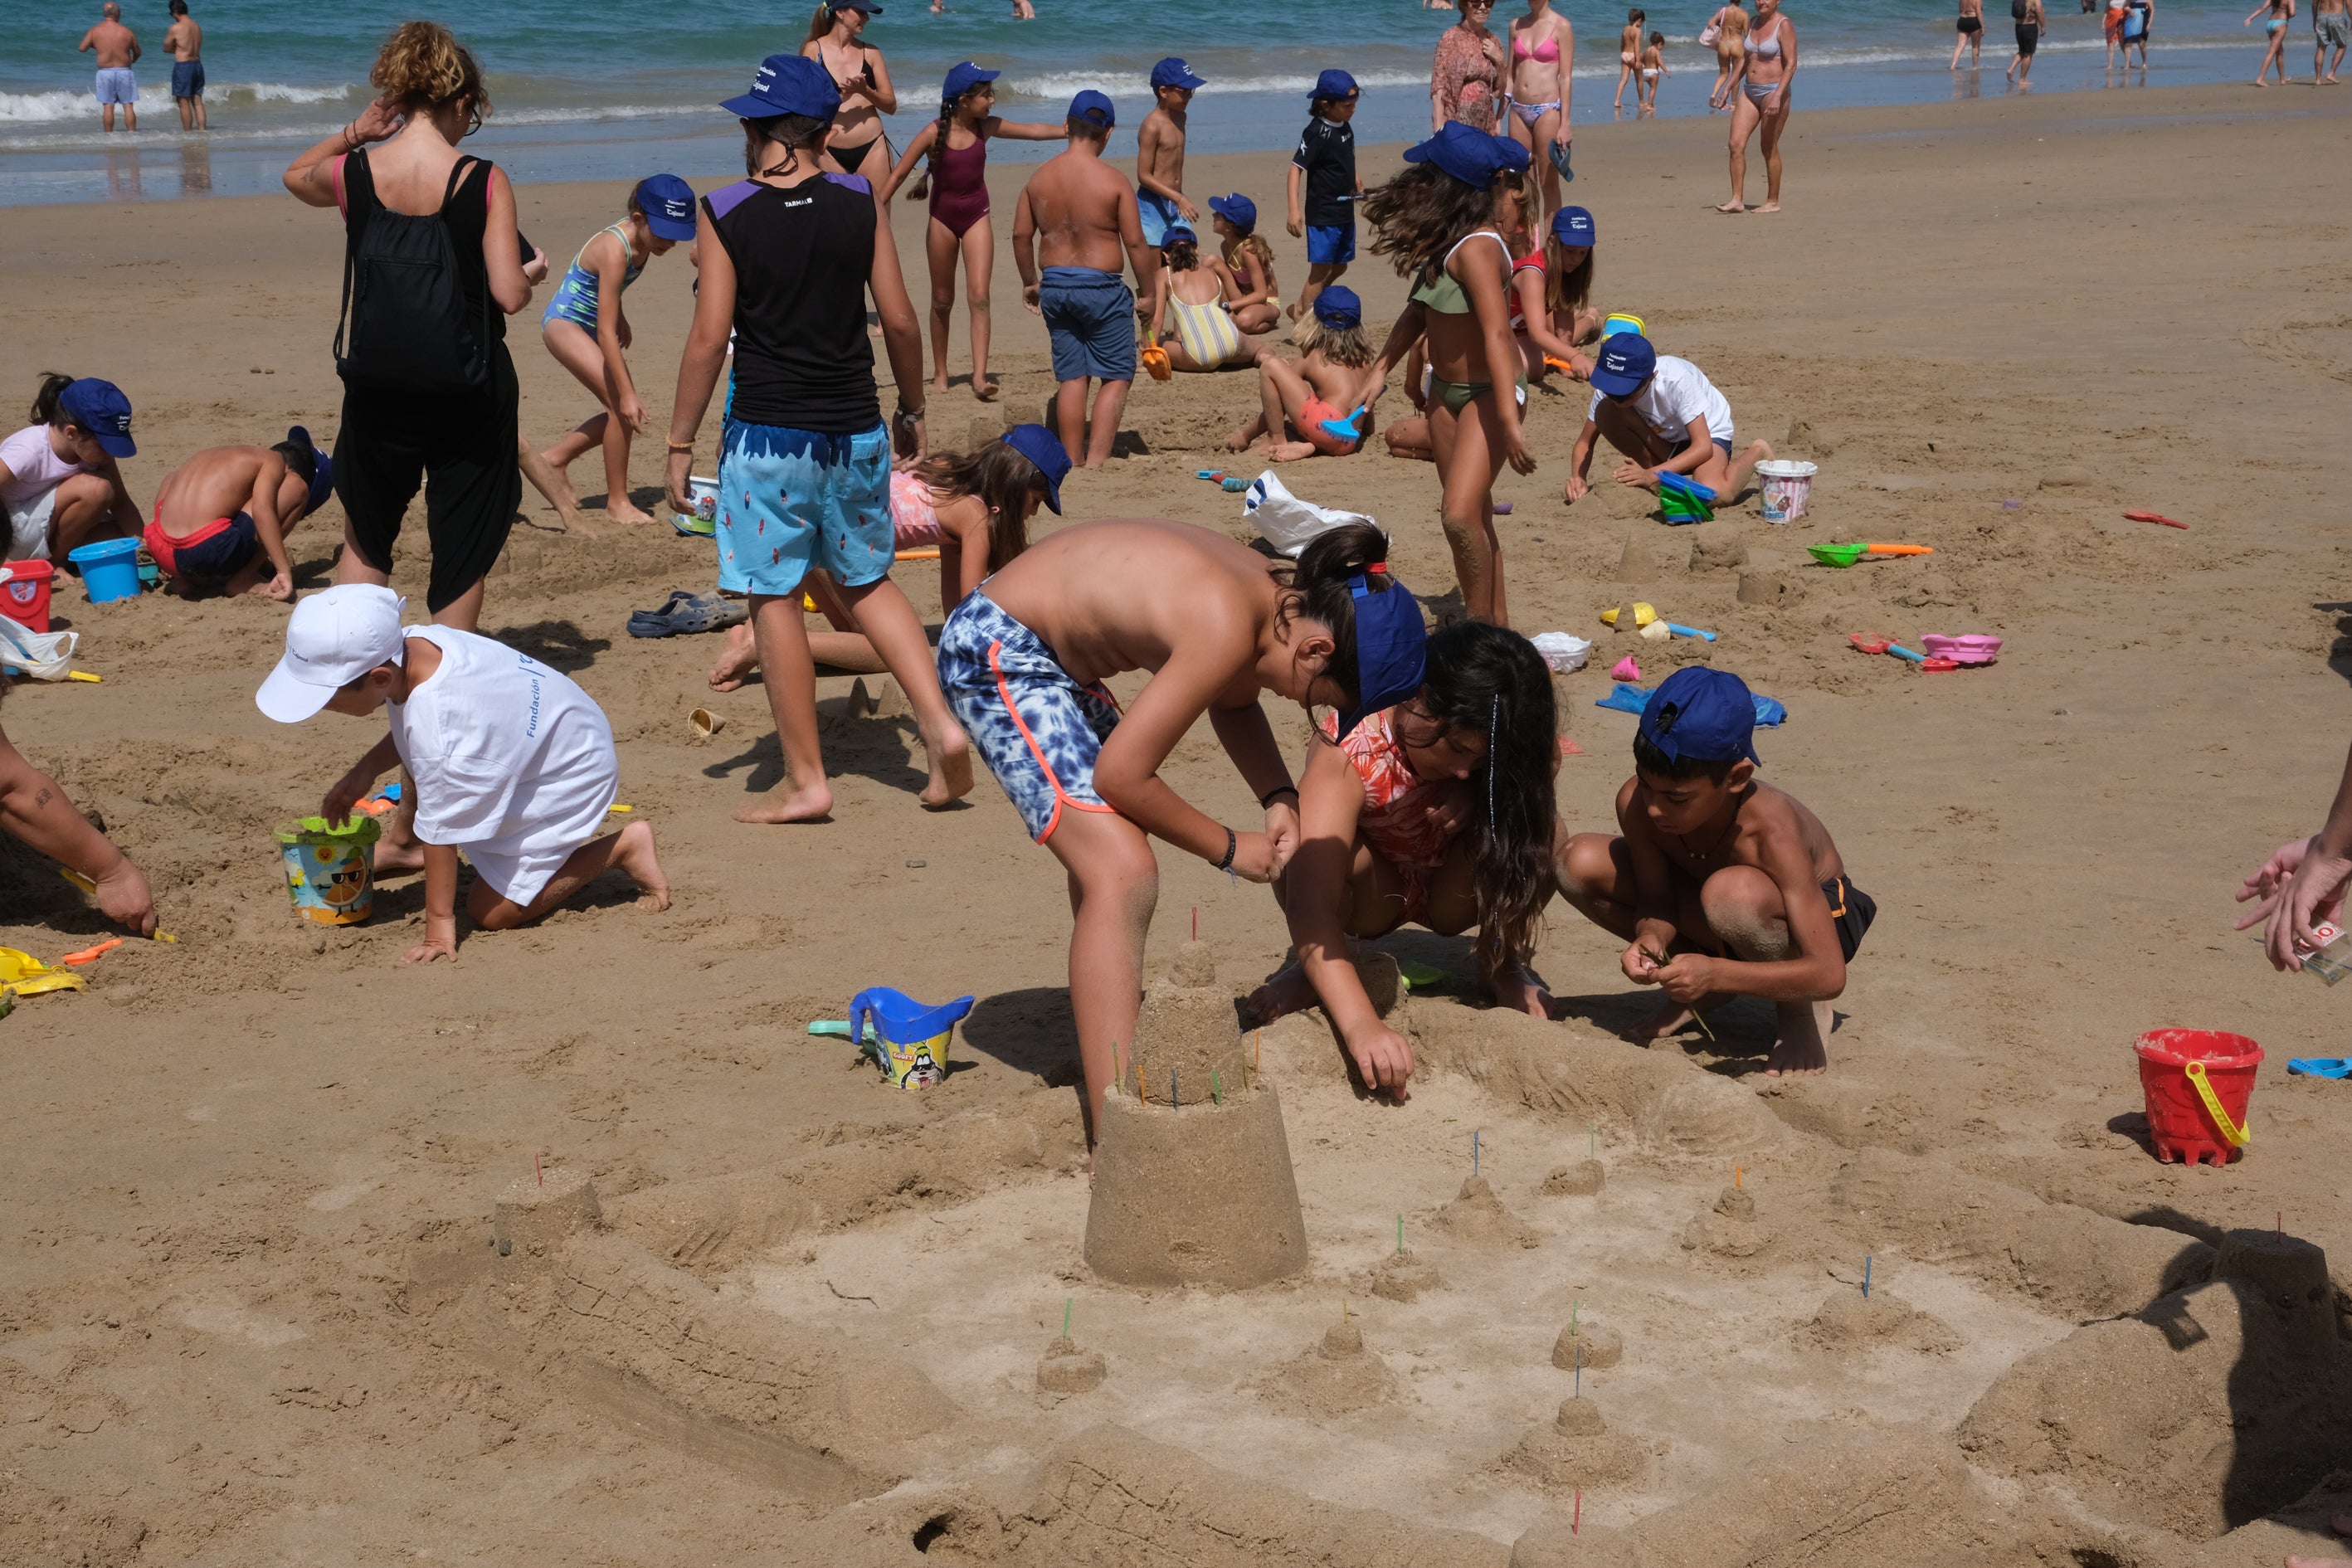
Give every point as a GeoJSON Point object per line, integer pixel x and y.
{"type": "Point", "coordinates": [117, 47]}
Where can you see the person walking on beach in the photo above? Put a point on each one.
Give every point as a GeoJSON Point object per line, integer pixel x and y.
{"type": "Point", "coordinates": [2331, 28]}
{"type": "Point", "coordinates": [1971, 31]}
{"type": "Point", "coordinates": [857, 68]}
{"type": "Point", "coordinates": [2028, 15]}
{"type": "Point", "coordinates": [1543, 56]}
{"type": "Point", "coordinates": [429, 390]}
{"type": "Point", "coordinates": [1463, 81]}
{"type": "Point", "coordinates": [1728, 28]}
{"type": "Point", "coordinates": [1077, 216]}
{"type": "Point", "coordinates": [2280, 12]}
{"type": "Point", "coordinates": [1628, 51]}
{"type": "Point", "coordinates": [185, 39]}
{"type": "Point", "coordinates": [1325, 165]}
{"type": "Point", "coordinates": [117, 47]}
{"type": "Point", "coordinates": [1764, 102]}
{"type": "Point", "coordinates": [2140, 21]}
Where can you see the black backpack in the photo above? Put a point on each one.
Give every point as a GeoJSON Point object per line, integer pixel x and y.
{"type": "Point", "coordinates": [404, 312]}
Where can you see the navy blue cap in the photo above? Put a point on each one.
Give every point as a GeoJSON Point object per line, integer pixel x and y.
{"type": "Point", "coordinates": [1466, 152]}
{"type": "Point", "coordinates": [322, 472]}
{"type": "Point", "coordinates": [99, 407]}
{"type": "Point", "coordinates": [1702, 715]}
{"type": "Point", "coordinates": [1045, 449]}
{"type": "Point", "coordinates": [1391, 648]}
{"type": "Point", "coordinates": [1178, 233]}
{"type": "Point", "coordinates": [1627, 359]}
{"type": "Point", "coordinates": [1337, 306]}
{"type": "Point", "coordinates": [1334, 84]}
{"type": "Point", "coordinates": [1573, 226]}
{"type": "Point", "coordinates": [1094, 109]}
{"type": "Point", "coordinates": [788, 84]}
{"type": "Point", "coordinates": [1174, 72]}
{"type": "Point", "coordinates": [864, 6]}
{"type": "Point", "coordinates": [668, 203]}
{"type": "Point", "coordinates": [1512, 155]}
{"type": "Point", "coordinates": [962, 78]}
{"type": "Point", "coordinates": [1237, 208]}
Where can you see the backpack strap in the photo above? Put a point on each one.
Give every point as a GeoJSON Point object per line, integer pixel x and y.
{"type": "Point", "coordinates": [458, 173]}
{"type": "Point", "coordinates": [359, 206]}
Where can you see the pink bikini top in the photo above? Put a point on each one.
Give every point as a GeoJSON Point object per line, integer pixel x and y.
{"type": "Point", "coordinates": [1548, 51]}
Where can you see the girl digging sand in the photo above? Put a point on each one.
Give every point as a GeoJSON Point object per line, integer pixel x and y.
{"type": "Point", "coordinates": [954, 152]}
{"type": "Point", "coordinates": [1023, 662]}
{"type": "Point", "coordinates": [1250, 260]}
{"type": "Point", "coordinates": [1441, 222]}
{"type": "Point", "coordinates": [1296, 399]}
{"type": "Point", "coordinates": [588, 332]}
{"type": "Point", "coordinates": [1438, 812]}
{"type": "Point", "coordinates": [1193, 291]}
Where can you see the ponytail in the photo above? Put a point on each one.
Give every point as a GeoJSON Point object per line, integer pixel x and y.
{"type": "Point", "coordinates": [1321, 589]}
{"type": "Point", "coordinates": [1003, 479]}
{"type": "Point", "coordinates": [47, 408]}
{"type": "Point", "coordinates": [820, 23]}
{"type": "Point", "coordinates": [1490, 682]}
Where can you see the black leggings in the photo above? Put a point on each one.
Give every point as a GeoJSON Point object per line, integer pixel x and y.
{"type": "Point", "coordinates": [462, 453]}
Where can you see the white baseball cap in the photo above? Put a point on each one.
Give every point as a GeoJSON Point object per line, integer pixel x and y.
{"type": "Point", "coordinates": [332, 641]}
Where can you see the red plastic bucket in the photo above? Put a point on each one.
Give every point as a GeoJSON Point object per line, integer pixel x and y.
{"type": "Point", "coordinates": [24, 593]}
{"type": "Point", "coordinates": [2181, 1124]}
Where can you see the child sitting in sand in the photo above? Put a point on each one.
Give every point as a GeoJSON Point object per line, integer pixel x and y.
{"type": "Point", "coordinates": [1296, 399]}
{"type": "Point", "coordinates": [1438, 812]}
{"type": "Point", "coordinates": [1188, 298]}
{"type": "Point", "coordinates": [59, 484]}
{"type": "Point", "coordinates": [223, 516]}
{"type": "Point", "coordinates": [587, 331]}
{"type": "Point", "coordinates": [1249, 260]}
{"type": "Point", "coordinates": [1723, 887]}
{"type": "Point", "coordinates": [974, 506]}
{"type": "Point", "coordinates": [1023, 662]}
{"type": "Point", "coordinates": [1666, 417]}
{"type": "Point", "coordinates": [512, 762]}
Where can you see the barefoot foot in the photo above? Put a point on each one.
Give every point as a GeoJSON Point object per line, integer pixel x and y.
{"type": "Point", "coordinates": [635, 856]}
{"type": "Point", "coordinates": [1519, 990]}
{"type": "Point", "coordinates": [1732, 208]}
{"type": "Point", "coordinates": [949, 751]}
{"type": "Point", "coordinates": [985, 388]}
{"type": "Point", "coordinates": [1291, 452]}
{"type": "Point", "coordinates": [395, 858]}
{"type": "Point", "coordinates": [787, 804]}
{"type": "Point", "coordinates": [1804, 1051]}
{"type": "Point", "coordinates": [628, 513]}
{"type": "Point", "coordinates": [739, 659]}
{"type": "Point", "coordinates": [1286, 990]}
{"type": "Point", "coordinates": [1667, 1020]}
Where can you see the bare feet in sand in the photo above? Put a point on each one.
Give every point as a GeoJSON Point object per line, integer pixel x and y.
{"type": "Point", "coordinates": [786, 802]}
{"type": "Point", "coordinates": [1732, 208]}
{"type": "Point", "coordinates": [1290, 451]}
{"type": "Point", "coordinates": [1521, 992]}
{"type": "Point", "coordinates": [949, 752]}
{"type": "Point", "coordinates": [737, 661]}
{"type": "Point", "coordinates": [626, 511]}
{"type": "Point", "coordinates": [1240, 440]}
{"type": "Point", "coordinates": [635, 854]}
{"type": "Point", "coordinates": [1286, 990]}
{"type": "Point", "coordinates": [1767, 207]}
{"type": "Point", "coordinates": [985, 389]}
{"type": "Point", "coordinates": [1669, 1019]}
{"type": "Point", "coordinates": [1804, 1051]}
{"type": "Point", "coordinates": [391, 857]}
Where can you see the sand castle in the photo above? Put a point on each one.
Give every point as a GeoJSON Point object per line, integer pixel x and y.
{"type": "Point", "coordinates": [1193, 1178]}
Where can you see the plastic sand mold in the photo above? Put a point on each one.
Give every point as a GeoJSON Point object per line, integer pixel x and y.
{"type": "Point", "coordinates": [911, 1040]}
{"type": "Point", "coordinates": [28, 976]}
{"type": "Point", "coordinates": [1643, 615]}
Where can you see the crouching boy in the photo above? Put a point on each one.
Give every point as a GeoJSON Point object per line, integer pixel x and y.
{"type": "Point", "coordinates": [511, 761]}
{"type": "Point", "coordinates": [1724, 887]}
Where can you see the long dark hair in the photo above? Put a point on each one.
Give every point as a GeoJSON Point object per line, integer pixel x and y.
{"type": "Point", "coordinates": [1319, 587]}
{"type": "Point", "coordinates": [1567, 288]}
{"type": "Point", "coordinates": [47, 407]}
{"type": "Point", "coordinates": [1003, 480]}
{"type": "Point", "coordinates": [1491, 681]}
{"type": "Point", "coordinates": [1418, 214]}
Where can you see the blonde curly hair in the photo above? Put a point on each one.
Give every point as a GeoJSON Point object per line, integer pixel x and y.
{"type": "Point", "coordinates": [423, 65]}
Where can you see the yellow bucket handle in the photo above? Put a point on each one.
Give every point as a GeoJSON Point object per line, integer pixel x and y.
{"type": "Point", "coordinates": [2239, 1137]}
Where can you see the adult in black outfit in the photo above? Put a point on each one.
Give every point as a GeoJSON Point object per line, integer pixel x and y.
{"type": "Point", "coordinates": [408, 420]}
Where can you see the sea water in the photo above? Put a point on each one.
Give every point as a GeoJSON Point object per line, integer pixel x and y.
{"type": "Point", "coordinates": [624, 87]}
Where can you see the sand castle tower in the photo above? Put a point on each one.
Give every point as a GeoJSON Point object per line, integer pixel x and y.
{"type": "Point", "coordinates": [1193, 1177]}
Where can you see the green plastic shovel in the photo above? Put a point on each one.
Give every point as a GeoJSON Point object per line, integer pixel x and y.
{"type": "Point", "coordinates": [1847, 555]}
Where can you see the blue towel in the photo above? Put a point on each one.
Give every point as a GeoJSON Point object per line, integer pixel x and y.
{"type": "Point", "coordinates": [1770, 712]}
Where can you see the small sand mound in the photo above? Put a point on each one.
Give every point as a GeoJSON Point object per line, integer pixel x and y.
{"type": "Point", "coordinates": [1728, 1229]}
{"type": "Point", "coordinates": [1582, 1180]}
{"type": "Point", "coordinates": [1338, 1376]}
{"type": "Point", "coordinates": [1066, 1369]}
{"type": "Point", "coordinates": [1594, 1346]}
{"type": "Point", "coordinates": [1849, 1321]}
{"type": "Point", "coordinates": [1401, 1277]}
{"type": "Point", "coordinates": [1476, 1215]}
{"type": "Point", "coordinates": [1577, 1451]}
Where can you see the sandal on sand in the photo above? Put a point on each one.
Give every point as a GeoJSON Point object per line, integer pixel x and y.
{"type": "Point", "coordinates": [686, 613]}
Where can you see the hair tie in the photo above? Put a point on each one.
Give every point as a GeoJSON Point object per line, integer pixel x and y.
{"type": "Point", "coordinates": [1380, 566]}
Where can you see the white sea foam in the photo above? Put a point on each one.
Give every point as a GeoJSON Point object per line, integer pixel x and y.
{"type": "Point", "coordinates": [155, 97]}
{"type": "Point", "coordinates": [1062, 84]}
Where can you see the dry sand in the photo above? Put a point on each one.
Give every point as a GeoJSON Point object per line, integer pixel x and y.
{"type": "Point", "coordinates": [254, 1305]}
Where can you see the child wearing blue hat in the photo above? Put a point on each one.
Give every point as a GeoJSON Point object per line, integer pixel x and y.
{"type": "Point", "coordinates": [60, 485]}
{"type": "Point", "coordinates": [1325, 165]}
{"type": "Point", "coordinates": [1249, 260]}
{"type": "Point", "coordinates": [588, 332]}
{"type": "Point", "coordinates": [1298, 403]}
{"type": "Point", "coordinates": [1720, 885]}
{"type": "Point", "coordinates": [1442, 222]}
{"type": "Point", "coordinates": [1666, 416]}
{"type": "Point", "coordinates": [222, 517]}
{"type": "Point", "coordinates": [1024, 660]}
{"type": "Point", "coordinates": [1160, 152]}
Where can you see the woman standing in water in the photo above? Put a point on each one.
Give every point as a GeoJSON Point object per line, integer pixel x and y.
{"type": "Point", "coordinates": [1764, 100]}
{"type": "Point", "coordinates": [857, 70]}
{"type": "Point", "coordinates": [1466, 80]}
{"type": "Point", "coordinates": [1543, 57]}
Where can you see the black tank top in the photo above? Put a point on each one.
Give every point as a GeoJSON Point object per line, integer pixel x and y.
{"type": "Point", "coordinates": [467, 214]}
{"type": "Point", "coordinates": [801, 258]}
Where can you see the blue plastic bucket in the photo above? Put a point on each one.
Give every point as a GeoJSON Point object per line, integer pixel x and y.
{"type": "Point", "coordinates": [110, 569]}
{"type": "Point", "coordinates": [910, 1037]}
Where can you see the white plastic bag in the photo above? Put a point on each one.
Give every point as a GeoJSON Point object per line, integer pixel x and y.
{"type": "Point", "coordinates": [43, 655]}
{"type": "Point", "coordinates": [1284, 520]}
{"type": "Point", "coordinates": [1561, 652]}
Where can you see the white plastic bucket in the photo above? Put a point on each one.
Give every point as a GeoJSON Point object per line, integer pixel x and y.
{"type": "Point", "coordinates": [704, 494]}
{"type": "Point", "coordinates": [1788, 488]}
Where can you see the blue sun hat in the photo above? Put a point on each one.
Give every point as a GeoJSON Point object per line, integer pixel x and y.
{"type": "Point", "coordinates": [322, 472]}
{"type": "Point", "coordinates": [1174, 72]}
{"type": "Point", "coordinates": [1391, 647]}
{"type": "Point", "coordinates": [668, 203]}
{"type": "Point", "coordinates": [1334, 87]}
{"type": "Point", "coordinates": [1095, 109]}
{"type": "Point", "coordinates": [1573, 225]}
{"type": "Point", "coordinates": [99, 407]}
{"type": "Point", "coordinates": [1702, 715]}
{"type": "Point", "coordinates": [1338, 307]}
{"type": "Point", "coordinates": [962, 78]}
{"type": "Point", "coordinates": [1627, 362]}
{"type": "Point", "coordinates": [1466, 152]}
{"type": "Point", "coordinates": [787, 84]}
{"type": "Point", "coordinates": [1044, 448]}
{"type": "Point", "coordinates": [1236, 209]}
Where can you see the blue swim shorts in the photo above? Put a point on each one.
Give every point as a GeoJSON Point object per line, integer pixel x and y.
{"type": "Point", "coordinates": [1039, 731]}
{"type": "Point", "coordinates": [188, 79]}
{"type": "Point", "coordinates": [790, 499]}
{"type": "Point", "coordinates": [1091, 315]}
{"type": "Point", "coordinates": [1331, 247]}
{"type": "Point", "coordinates": [1159, 215]}
{"type": "Point", "coordinates": [118, 84]}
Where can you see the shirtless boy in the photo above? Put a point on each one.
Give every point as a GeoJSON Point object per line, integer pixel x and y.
{"type": "Point", "coordinates": [222, 517]}
{"type": "Point", "coordinates": [1721, 885]}
{"type": "Point", "coordinates": [185, 39]}
{"type": "Point", "coordinates": [2331, 28]}
{"type": "Point", "coordinates": [117, 48]}
{"type": "Point", "coordinates": [1076, 215]}
{"type": "Point", "coordinates": [1159, 153]}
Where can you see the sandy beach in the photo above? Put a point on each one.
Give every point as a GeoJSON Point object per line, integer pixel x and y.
{"type": "Point", "coordinates": [255, 1307]}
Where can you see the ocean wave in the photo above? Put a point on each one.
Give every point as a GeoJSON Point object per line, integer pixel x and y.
{"type": "Point", "coordinates": [155, 96]}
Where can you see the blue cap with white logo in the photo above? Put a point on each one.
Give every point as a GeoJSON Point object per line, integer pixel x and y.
{"type": "Point", "coordinates": [99, 407]}
{"type": "Point", "coordinates": [1334, 84]}
{"type": "Point", "coordinates": [322, 470]}
{"type": "Point", "coordinates": [1236, 209]}
{"type": "Point", "coordinates": [1628, 359]}
{"type": "Point", "coordinates": [962, 78]}
{"type": "Point", "coordinates": [668, 203]}
{"type": "Point", "coordinates": [1174, 72]}
{"type": "Point", "coordinates": [788, 84]}
{"type": "Point", "coordinates": [1466, 152]}
{"type": "Point", "coordinates": [1573, 226]}
{"type": "Point", "coordinates": [1094, 109]}
{"type": "Point", "coordinates": [1703, 715]}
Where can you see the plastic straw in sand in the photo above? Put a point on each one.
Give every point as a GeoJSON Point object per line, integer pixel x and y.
{"type": "Point", "coordinates": [1573, 1309]}
{"type": "Point", "coordinates": [1066, 1315]}
{"type": "Point", "coordinates": [1473, 1150]}
{"type": "Point", "coordinates": [535, 1169]}
{"type": "Point", "coordinates": [1174, 1101]}
{"type": "Point", "coordinates": [1399, 1233]}
{"type": "Point", "coordinates": [1866, 1278]}
{"type": "Point", "coordinates": [1735, 1175]}
{"type": "Point", "coordinates": [1217, 1087]}
{"type": "Point", "coordinates": [1576, 1522]}
{"type": "Point", "coordinates": [1580, 1369]}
